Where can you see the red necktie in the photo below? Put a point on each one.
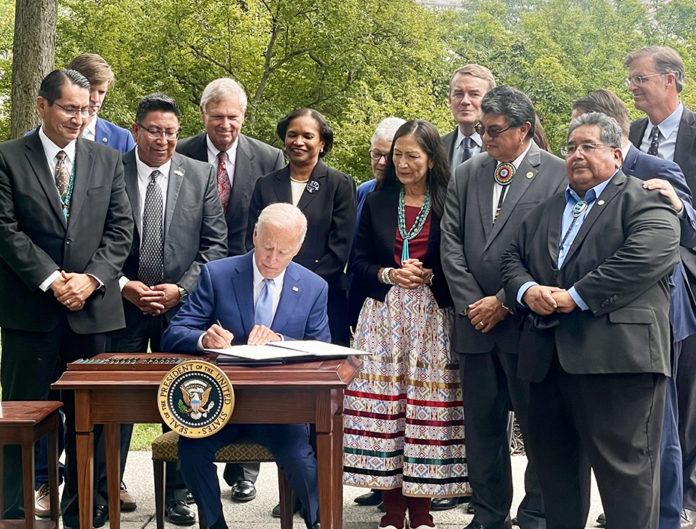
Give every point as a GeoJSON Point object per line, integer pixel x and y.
{"type": "Point", "coordinates": [223, 181]}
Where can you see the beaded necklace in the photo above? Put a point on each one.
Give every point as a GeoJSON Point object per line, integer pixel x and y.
{"type": "Point", "coordinates": [417, 225]}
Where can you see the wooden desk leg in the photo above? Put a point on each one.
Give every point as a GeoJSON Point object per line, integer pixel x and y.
{"type": "Point", "coordinates": [113, 473]}
{"type": "Point", "coordinates": [52, 438]}
{"type": "Point", "coordinates": [326, 480]}
{"type": "Point", "coordinates": [28, 483]}
{"type": "Point", "coordinates": [337, 472]}
{"type": "Point", "coordinates": [84, 436]}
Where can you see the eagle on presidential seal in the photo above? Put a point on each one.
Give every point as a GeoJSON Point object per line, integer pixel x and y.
{"type": "Point", "coordinates": [195, 394]}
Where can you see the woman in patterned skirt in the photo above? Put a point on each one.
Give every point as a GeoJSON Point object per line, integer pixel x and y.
{"type": "Point", "coordinates": [404, 424]}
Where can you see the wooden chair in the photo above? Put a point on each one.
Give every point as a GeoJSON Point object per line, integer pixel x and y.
{"type": "Point", "coordinates": [166, 448]}
{"type": "Point", "coordinates": [23, 423]}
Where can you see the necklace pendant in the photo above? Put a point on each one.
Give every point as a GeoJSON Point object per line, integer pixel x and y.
{"type": "Point", "coordinates": [578, 208]}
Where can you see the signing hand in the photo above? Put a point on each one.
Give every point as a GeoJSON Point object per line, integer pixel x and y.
{"type": "Point", "coordinates": [217, 337]}
{"type": "Point", "coordinates": [665, 189]}
{"type": "Point", "coordinates": [485, 313]}
{"type": "Point", "coordinates": [261, 335]}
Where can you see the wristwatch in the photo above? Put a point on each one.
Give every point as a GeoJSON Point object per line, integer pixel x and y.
{"type": "Point", "coordinates": [182, 292]}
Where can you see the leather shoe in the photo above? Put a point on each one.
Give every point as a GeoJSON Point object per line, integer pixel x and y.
{"type": "Point", "coordinates": [42, 502]}
{"type": "Point", "coordinates": [127, 501]}
{"type": "Point", "coordinates": [602, 520]}
{"type": "Point", "coordinates": [101, 515]}
{"type": "Point", "coordinates": [470, 509]}
{"type": "Point", "coordinates": [374, 497]}
{"type": "Point", "coordinates": [276, 510]}
{"type": "Point", "coordinates": [507, 524]}
{"type": "Point", "coordinates": [688, 519]}
{"type": "Point", "coordinates": [444, 504]}
{"type": "Point", "coordinates": [178, 513]}
{"type": "Point", "coordinates": [243, 490]}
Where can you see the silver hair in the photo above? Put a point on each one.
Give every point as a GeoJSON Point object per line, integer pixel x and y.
{"type": "Point", "coordinates": [221, 89]}
{"type": "Point", "coordinates": [610, 132]}
{"type": "Point", "coordinates": [386, 129]}
{"type": "Point", "coordinates": [283, 215]}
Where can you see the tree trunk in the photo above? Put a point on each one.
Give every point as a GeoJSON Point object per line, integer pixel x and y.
{"type": "Point", "coordinates": [32, 59]}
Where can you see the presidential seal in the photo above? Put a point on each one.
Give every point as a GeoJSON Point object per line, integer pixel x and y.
{"type": "Point", "coordinates": [195, 399]}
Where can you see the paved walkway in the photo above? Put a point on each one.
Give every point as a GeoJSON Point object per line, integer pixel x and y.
{"type": "Point", "coordinates": [257, 514]}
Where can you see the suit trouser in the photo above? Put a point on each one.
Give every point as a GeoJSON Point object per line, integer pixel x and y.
{"type": "Point", "coordinates": [686, 393]}
{"type": "Point", "coordinates": [671, 486]}
{"type": "Point", "coordinates": [241, 472]}
{"type": "Point", "coordinates": [141, 330]}
{"type": "Point", "coordinates": [490, 390]}
{"type": "Point", "coordinates": [289, 444]}
{"type": "Point", "coordinates": [31, 361]}
{"type": "Point", "coordinates": [611, 421]}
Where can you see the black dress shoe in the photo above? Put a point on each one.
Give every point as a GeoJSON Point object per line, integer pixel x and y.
{"type": "Point", "coordinates": [444, 504]}
{"type": "Point", "coordinates": [178, 513]}
{"type": "Point", "coordinates": [101, 515]}
{"type": "Point", "coordinates": [243, 490]}
{"type": "Point", "coordinates": [470, 509]}
{"type": "Point", "coordinates": [189, 498]}
{"type": "Point", "coordinates": [507, 524]}
{"type": "Point", "coordinates": [374, 497]}
{"type": "Point", "coordinates": [276, 510]}
{"type": "Point", "coordinates": [601, 520]}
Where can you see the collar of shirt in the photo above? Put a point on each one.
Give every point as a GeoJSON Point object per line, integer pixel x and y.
{"type": "Point", "coordinates": [276, 286]}
{"type": "Point", "coordinates": [90, 131]}
{"type": "Point", "coordinates": [624, 151]}
{"type": "Point", "coordinates": [51, 150]}
{"type": "Point", "coordinates": [590, 194]}
{"type": "Point", "coordinates": [517, 161]}
{"type": "Point", "coordinates": [474, 137]}
{"type": "Point", "coordinates": [670, 124]}
{"type": "Point", "coordinates": [231, 155]}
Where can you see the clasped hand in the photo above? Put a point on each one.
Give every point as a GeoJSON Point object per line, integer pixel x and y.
{"type": "Point", "coordinates": [546, 300]}
{"type": "Point", "coordinates": [154, 300]}
{"type": "Point", "coordinates": [72, 289]}
{"type": "Point", "coordinates": [411, 274]}
{"type": "Point", "coordinates": [485, 313]}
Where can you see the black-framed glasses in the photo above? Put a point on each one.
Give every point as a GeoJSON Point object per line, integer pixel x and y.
{"type": "Point", "coordinates": [640, 79]}
{"type": "Point", "coordinates": [493, 132]}
{"type": "Point", "coordinates": [74, 111]}
{"type": "Point", "coordinates": [586, 148]}
{"type": "Point", "coordinates": [169, 134]}
{"type": "Point", "coordinates": [376, 155]}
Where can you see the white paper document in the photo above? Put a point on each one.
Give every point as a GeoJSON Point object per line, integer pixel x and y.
{"type": "Point", "coordinates": [287, 349]}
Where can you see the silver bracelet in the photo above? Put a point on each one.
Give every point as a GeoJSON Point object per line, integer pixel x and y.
{"type": "Point", "coordinates": [384, 278]}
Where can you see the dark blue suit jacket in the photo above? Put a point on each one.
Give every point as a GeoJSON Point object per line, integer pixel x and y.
{"type": "Point", "coordinates": [225, 294]}
{"type": "Point", "coordinates": [113, 136]}
{"type": "Point", "coordinates": [643, 166]}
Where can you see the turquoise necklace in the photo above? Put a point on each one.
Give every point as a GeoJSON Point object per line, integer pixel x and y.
{"type": "Point", "coordinates": [65, 202]}
{"type": "Point", "coordinates": [417, 225]}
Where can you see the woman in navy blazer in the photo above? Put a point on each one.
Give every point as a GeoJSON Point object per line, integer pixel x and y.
{"type": "Point", "coordinates": [327, 199]}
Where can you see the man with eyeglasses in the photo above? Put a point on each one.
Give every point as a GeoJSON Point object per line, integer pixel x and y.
{"type": "Point", "coordinates": [656, 78]}
{"type": "Point", "coordinates": [589, 271]}
{"type": "Point", "coordinates": [65, 231]}
{"type": "Point", "coordinates": [179, 226]}
{"type": "Point", "coordinates": [468, 85]}
{"type": "Point", "coordinates": [487, 199]}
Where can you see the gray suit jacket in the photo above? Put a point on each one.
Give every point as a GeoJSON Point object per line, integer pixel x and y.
{"type": "Point", "coordinates": [35, 240]}
{"type": "Point", "coordinates": [472, 246]}
{"type": "Point", "coordinates": [254, 159]}
{"type": "Point", "coordinates": [194, 228]}
{"type": "Point", "coordinates": [619, 263]}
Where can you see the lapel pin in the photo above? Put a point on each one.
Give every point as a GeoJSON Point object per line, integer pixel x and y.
{"type": "Point", "coordinates": [312, 186]}
{"type": "Point", "coordinates": [179, 172]}
{"type": "Point", "coordinates": [600, 202]}
{"type": "Point", "coordinates": [105, 139]}
{"type": "Point", "coordinates": [530, 174]}
{"type": "Point", "coordinates": [295, 289]}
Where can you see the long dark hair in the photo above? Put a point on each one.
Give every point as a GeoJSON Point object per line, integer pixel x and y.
{"type": "Point", "coordinates": [428, 138]}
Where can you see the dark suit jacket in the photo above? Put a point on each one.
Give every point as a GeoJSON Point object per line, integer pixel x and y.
{"type": "Point", "coordinates": [113, 136]}
{"type": "Point", "coordinates": [194, 228]}
{"type": "Point", "coordinates": [254, 159]}
{"type": "Point", "coordinates": [330, 212]}
{"type": "Point", "coordinates": [685, 149]}
{"type": "Point", "coordinates": [448, 143]}
{"type": "Point", "coordinates": [225, 294]}
{"type": "Point", "coordinates": [472, 246]}
{"type": "Point", "coordinates": [619, 263]}
{"type": "Point", "coordinates": [374, 247]}
{"type": "Point", "coordinates": [35, 240]}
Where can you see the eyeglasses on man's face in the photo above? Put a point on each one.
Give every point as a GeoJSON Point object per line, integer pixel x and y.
{"type": "Point", "coordinates": [585, 148]}
{"type": "Point", "coordinates": [641, 79]}
{"type": "Point", "coordinates": [376, 155]}
{"type": "Point", "coordinates": [74, 111]}
{"type": "Point", "coordinates": [169, 134]}
{"type": "Point", "coordinates": [492, 132]}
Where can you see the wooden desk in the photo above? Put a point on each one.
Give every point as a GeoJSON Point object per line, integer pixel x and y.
{"type": "Point", "coordinates": [112, 394]}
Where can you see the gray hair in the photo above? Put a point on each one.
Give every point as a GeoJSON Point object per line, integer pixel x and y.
{"type": "Point", "coordinates": [511, 103]}
{"type": "Point", "coordinates": [221, 89]}
{"type": "Point", "coordinates": [610, 132]}
{"type": "Point", "coordinates": [665, 59]}
{"type": "Point", "coordinates": [283, 215]}
{"type": "Point", "coordinates": [386, 129]}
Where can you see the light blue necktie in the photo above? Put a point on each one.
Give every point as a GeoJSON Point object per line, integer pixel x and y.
{"type": "Point", "coordinates": [263, 314]}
